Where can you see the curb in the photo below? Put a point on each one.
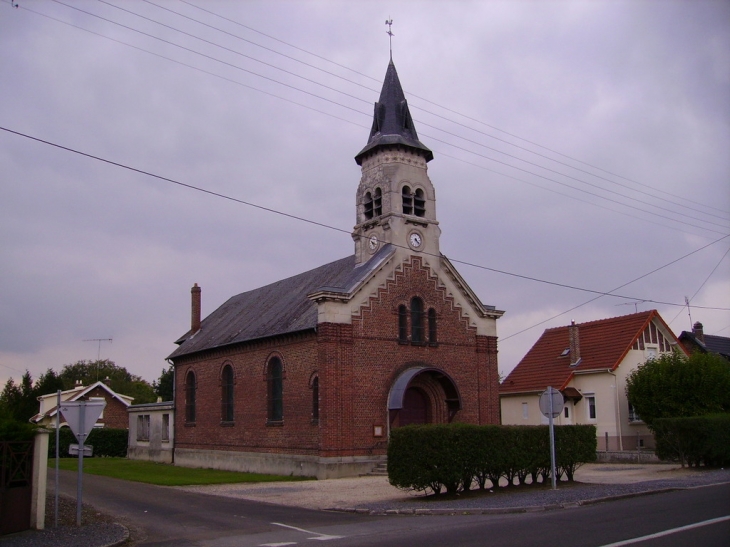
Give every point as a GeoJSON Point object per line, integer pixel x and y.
{"type": "Point", "coordinates": [511, 510]}
{"type": "Point", "coordinates": [125, 537]}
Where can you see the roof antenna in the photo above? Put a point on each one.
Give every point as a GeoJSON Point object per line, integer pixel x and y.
{"type": "Point", "coordinates": [390, 34]}
{"type": "Point", "coordinates": [686, 301]}
{"type": "Point", "coordinates": [98, 353]}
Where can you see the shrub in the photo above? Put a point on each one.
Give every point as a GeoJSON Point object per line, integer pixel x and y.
{"type": "Point", "coordinates": [453, 456]}
{"type": "Point", "coordinates": [694, 441]}
{"type": "Point", "coordinates": [106, 442]}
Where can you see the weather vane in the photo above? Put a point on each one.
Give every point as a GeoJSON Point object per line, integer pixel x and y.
{"type": "Point", "coordinates": [389, 32]}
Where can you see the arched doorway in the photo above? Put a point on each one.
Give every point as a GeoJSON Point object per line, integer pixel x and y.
{"type": "Point", "coordinates": [423, 395]}
{"type": "Point", "coordinates": [415, 409]}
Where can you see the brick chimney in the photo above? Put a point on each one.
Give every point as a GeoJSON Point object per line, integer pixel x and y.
{"type": "Point", "coordinates": [574, 339]}
{"type": "Point", "coordinates": [195, 315]}
{"type": "Point", "coordinates": [698, 331]}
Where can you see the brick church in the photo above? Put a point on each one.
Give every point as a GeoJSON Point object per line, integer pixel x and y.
{"type": "Point", "coordinates": [308, 375]}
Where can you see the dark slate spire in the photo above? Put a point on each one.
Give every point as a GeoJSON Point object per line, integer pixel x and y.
{"type": "Point", "coordinates": [392, 122]}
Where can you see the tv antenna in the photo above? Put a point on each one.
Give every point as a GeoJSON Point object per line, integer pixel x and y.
{"type": "Point", "coordinates": [686, 301]}
{"type": "Point", "coordinates": [390, 34]}
{"type": "Point", "coordinates": [635, 303]}
{"type": "Point", "coordinates": [99, 340]}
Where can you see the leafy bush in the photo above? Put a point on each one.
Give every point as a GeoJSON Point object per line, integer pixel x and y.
{"type": "Point", "coordinates": [106, 442]}
{"type": "Point", "coordinates": [12, 430]}
{"type": "Point", "coordinates": [694, 441]}
{"type": "Point", "coordinates": [454, 456]}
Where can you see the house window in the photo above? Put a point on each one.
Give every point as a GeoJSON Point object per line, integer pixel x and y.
{"type": "Point", "coordinates": [165, 428]}
{"type": "Point", "coordinates": [190, 389]}
{"type": "Point", "coordinates": [591, 402]}
{"type": "Point", "coordinates": [432, 338]}
{"type": "Point", "coordinates": [275, 388]}
{"type": "Point", "coordinates": [315, 399]}
{"type": "Point", "coordinates": [227, 394]}
{"type": "Point", "coordinates": [566, 412]}
{"type": "Point", "coordinates": [416, 320]}
{"type": "Point", "coordinates": [402, 324]}
{"type": "Point", "coordinates": [525, 411]}
{"type": "Point", "coordinates": [633, 415]}
{"type": "Point", "coordinates": [143, 427]}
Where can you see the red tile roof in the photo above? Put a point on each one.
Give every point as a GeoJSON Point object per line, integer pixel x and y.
{"type": "Point", "coordinates": [603, 345]}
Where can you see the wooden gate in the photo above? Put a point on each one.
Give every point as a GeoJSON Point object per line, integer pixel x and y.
{"type": "Point", "coordinates": [16, 481]}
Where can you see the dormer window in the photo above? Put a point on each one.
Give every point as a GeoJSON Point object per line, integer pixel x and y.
{"type": "Point", "coordinates": [373, 204]}
{"type": "Point", "coordinates": [414, 203]}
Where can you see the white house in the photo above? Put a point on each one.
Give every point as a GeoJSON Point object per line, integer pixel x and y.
{"type": "Point", "coordinates": [589, 363]}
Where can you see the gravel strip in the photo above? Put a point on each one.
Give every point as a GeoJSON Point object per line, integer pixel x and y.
{"type": "Point", "coordinates": [97, 530]}
{"type": "Point", "coordinates": [534, 499]}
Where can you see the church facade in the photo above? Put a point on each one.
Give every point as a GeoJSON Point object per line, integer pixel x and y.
{"type": "Point", "coordinates": [308, 375]}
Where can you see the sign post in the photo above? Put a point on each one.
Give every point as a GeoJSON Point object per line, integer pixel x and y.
{"type": "Point", "coordinates": [81, 417]}
{"type": "Point", "coordinates": [551, 405]}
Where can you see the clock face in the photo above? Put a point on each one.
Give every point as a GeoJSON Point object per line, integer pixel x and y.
{"type": "Point", "coordinates": [373, 242]}
{"type": "Point", "coordinates": [415, 240]}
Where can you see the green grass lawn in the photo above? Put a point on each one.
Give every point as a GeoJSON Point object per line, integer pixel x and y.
{"type": "Point", "coordinates": [160, 473]}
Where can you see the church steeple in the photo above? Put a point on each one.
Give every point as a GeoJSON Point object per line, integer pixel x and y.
{"type": "Point", "coordinates": [392, 122]}
{"type": "Point", "coordinates": [396, 201]}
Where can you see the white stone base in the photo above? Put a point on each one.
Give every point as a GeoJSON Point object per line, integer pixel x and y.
{"type": "Point", "coordinates": [278, 464]}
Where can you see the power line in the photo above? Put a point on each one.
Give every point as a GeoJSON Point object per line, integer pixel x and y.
{"type": "Point", "coordinates": [619, 288]}
{"type": "Point", "coordinates": [703, 284]}
{"type": "Point", "coordinates": [431, 137]}
{"type": "Point", "coordinates": [330, 227]}
{"type": "Point", "coordinates": [684, 199]}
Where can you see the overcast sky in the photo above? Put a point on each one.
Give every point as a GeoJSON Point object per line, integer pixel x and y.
{"type": "Point", "coordinates": [584, 144]}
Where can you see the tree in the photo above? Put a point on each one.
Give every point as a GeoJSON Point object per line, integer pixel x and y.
{"type": "Point", "coordinates": [673, 386]}
{"type": "Point", "coordinates": [20, 402]}
{"type": "Point", "coordinates": [164, 385]}
{"type": "Point", "coordinates": [120, 379]}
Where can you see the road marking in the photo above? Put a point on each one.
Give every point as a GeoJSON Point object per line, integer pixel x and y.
{"type": "Point", "coordinates": [320, 537]}
{"type": "Point", "coordinates": [667, 532]}
{"type": "Point", "coordinates": [278, 544]}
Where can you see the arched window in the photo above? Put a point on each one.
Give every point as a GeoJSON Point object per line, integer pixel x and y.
{"type": "Point", "coordinates": [416, 320]}
{"type": "Point", "coordinates": [315, 399]}
{"type": "Point", "coordinates": [368, 211]}
{"type": "Point", "coordinates": [190, 388]}
{"type": "Point", "coordinates": [414, 203]}
{"type": "Point", "coordinates": [402, 324]}
{"type": "Point", "coordinates": [275, 388]}
{"type": "Point", "coordinates": [227, 394]}
{"type": "Point", "coordinates": [432, 338]}
{"type": "Point", "coordinates": [377, 203]}
{"type": "Point", "coordinates": [373, 205]}
{"type": "Point", "coordinates": [419, 203]}
{"type": "Point", "coordinates": [407, 201]}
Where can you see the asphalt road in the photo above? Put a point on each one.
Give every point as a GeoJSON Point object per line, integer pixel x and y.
{"type": "Point", "coordinates": [159, 516]}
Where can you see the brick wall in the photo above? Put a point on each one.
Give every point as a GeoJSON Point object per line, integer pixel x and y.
{"type": "Point", "coordinates": [357, 365]}
{"type": "Point", "coordinates": [115, 412]}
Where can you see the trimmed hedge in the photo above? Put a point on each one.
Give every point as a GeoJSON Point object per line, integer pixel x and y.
{"type": "Point", "coordinates": [694, 441]}
{"type": "Point", "coordinates": [106, 442]}
{"type": "Point", "coordinates": [456, 456]}
{"type": "Point", "coordinates": [11, 430]}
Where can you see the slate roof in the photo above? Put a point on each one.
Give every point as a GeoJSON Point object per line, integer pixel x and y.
{"type": "Point", "coordinates": [392, 122]}
{"type": "Point", "coordinates": [712, 343]}
{"type": "Point", "coordinates": [603, 345]}
{"type": "Point", "coordinates": [279, 308]}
